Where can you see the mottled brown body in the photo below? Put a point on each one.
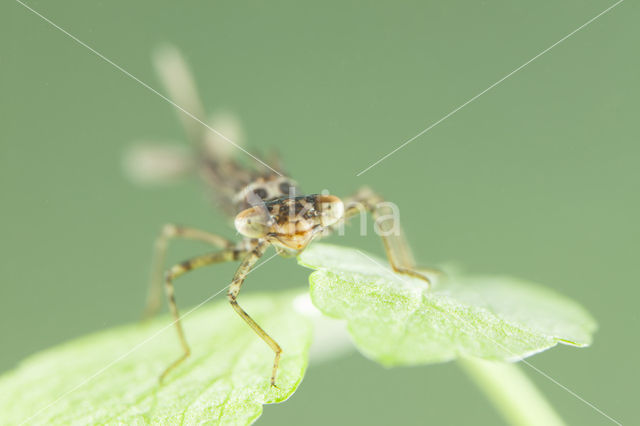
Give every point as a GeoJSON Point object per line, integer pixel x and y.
{"type": "Point", "coordinates": [268, 210]}
{"type": "Point", "coordinates": [290, 223]}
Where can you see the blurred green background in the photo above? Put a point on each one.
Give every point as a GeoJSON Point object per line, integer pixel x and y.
{"type": "Point", "coordinates": [538, 178]}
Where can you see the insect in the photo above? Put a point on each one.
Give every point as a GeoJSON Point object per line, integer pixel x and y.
{"type": "Point", "coordinates": [267, 206]}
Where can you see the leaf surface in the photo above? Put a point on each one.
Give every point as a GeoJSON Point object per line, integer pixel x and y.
{"type": "Point", "coordinates": [396, 320]}
{"type": "Point", "coordinates": [112, 376]}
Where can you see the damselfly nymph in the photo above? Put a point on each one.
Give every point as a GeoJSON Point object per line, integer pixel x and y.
{"type": "Point", "coordinates": [267, 207]}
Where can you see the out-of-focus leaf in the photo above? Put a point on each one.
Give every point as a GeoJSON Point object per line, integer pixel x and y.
{"type": "Point", "coordinates": [112, 376]}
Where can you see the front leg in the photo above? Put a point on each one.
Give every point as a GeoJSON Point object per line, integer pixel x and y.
{"type": "Point", "coordinates": [388, 226]}
{"type": "Point", "coordinates": [246, 265]}
{"type": "Point", "coordinates": [170, 232]}
{"type": "Point", "coordinates": [175, 272]}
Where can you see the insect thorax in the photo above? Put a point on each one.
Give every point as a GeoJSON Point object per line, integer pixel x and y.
{"type": "Point", "coordinates": [265, 189]}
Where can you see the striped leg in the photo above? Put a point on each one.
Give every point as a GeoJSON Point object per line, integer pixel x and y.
{"type": "Point", "coordinates": [396, 247]}
{"type": "Point", "coordinates": [225, 255]}
{"type": "Point", "coordinates": [246, 265]}
{"type": "Point", "coordinates": [169, 232]}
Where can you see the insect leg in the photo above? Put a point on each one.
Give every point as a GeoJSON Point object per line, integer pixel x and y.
{"type": "Point", "coordinates": [395, 244]}
{"type": "Point", "coordinates": [180, 269]}
{"type": "Point", "coordinates": [244, 268]}
{"type": "Point", "coordinates": [169, 232]}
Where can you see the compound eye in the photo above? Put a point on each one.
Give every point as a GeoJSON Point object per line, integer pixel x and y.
{"type": "Point", "coordinates": [253, 222]}
{"type": "Point", "coordinates": [331, 209]}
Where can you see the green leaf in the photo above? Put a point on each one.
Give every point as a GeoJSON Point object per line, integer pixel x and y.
{"type": "Point", "coordinates": [226, 379]}
{"type": "Point", "coordinates": [396, 320]}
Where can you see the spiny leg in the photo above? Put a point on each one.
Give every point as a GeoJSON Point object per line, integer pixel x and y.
{"type": "Point", "coordinates": [244, 268]}
{"type": "Point", "coordinates": [169, 232]}
{"type": "Point", "coordinates": [396, 247]}
{"type": "Point", "coordinates": [178, 270]}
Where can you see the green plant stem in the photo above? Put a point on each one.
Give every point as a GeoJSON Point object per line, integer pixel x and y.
{"type": "Point", "coordinates": [511, 392]}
